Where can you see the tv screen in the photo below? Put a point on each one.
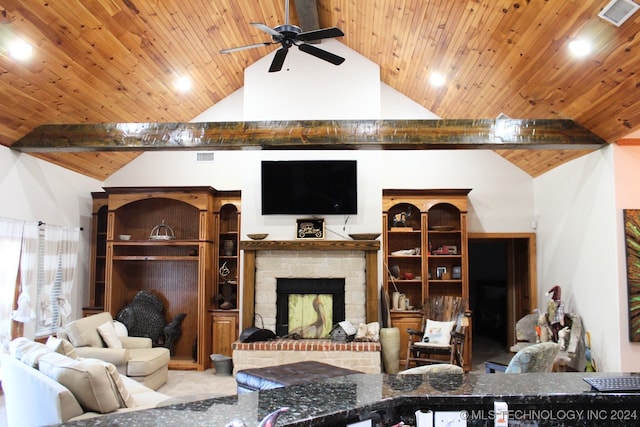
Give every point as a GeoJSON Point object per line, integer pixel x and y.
{"type": "Point", "coordinates": [309, 187]}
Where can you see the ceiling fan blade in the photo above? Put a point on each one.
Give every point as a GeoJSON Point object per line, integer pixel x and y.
{"type": "Point", "coordinates": [278, 60]}
{"type": "Point", "coordinates": [267, 29]}
{"type": "Point", "coordinates": [251, 46]}
{"type": "Point", "coordinates": [323, 33]}
{"type": "Point", "coordinates": [322, 54]}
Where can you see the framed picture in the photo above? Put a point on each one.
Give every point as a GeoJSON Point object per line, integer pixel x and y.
{"type": "Point", "coordinates": [456, 272]}
{"type": "Point", "coordinates": [632, 241]}
{"type": "Point", "coordinates": [453, 250]}
{"type": "Point", "coordinates": [310, 228]}
{"type": "Point", "coordinates": [440, 272]}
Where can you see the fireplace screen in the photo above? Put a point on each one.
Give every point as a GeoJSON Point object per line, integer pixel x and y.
{"type": "Point", "coordinates": [310, 315]}
{"type": "Point", "coordinates": [309, 307]}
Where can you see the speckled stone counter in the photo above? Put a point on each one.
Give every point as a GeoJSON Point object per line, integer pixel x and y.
{"type": "Point", "coordinates": [556, 399]}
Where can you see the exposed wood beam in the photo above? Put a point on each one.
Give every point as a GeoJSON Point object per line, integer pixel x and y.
{"type": "Point", "coordinates": [313, 134]}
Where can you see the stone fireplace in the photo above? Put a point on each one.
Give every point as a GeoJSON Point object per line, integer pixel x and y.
{"type": "Point", "coordinates": [309, 267]}
{"type": "Point", "coordinates": [321, 264]}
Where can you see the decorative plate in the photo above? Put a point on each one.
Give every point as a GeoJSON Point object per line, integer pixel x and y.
{"type": "Point", "coordinates": [441, 227]}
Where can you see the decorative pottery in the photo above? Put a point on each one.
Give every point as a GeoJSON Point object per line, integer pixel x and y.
{"type": "Point", "coordinates": [390, 347]}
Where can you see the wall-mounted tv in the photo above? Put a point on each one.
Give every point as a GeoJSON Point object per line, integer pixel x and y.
{"type": "Point", "coordinates": [309, 187]}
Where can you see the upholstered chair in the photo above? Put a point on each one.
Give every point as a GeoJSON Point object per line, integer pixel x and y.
{"type": "Point", "coordinates": [535, 358]}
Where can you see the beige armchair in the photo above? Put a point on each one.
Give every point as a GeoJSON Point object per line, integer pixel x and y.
{"type": "Point", "coordinates": [96, 337]}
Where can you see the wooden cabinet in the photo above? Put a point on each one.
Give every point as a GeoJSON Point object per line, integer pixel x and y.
{"type": "Point", "coordinates": [425, 252]}
{"type": "Point", "coordinates": [226, 298]}
{"type": "Point", "coordinates": [98, 260]}
{"type": "Point", "coordinates": [224, 329]}
{"type": "Point", "coordinates": [169, 253]}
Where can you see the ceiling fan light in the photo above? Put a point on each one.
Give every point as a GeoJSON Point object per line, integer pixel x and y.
{"type": "Point", "coordinates": [437, 79]}
{"type": "Point", "coordinates": [579, 47]}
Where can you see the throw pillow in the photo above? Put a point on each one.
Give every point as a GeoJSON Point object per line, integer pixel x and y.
{"type": "Point", "coordinates": [439, 333]}
{"type": "Point", "coordinates": [122, 394]}
{"type": "Point", "coordinates": [108, 333]}
{"type": "Point", "coordinates": [90, 382]}
{"type": "Point", "coordinates": [61, 346]}
{"type": "Point", "coordinates": [27, 351]}
{"type": "Point", "coordinates": [121, 329]}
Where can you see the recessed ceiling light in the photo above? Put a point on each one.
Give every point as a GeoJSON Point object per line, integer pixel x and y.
{"type": "Point", "coordinates": [183, 84]}
{"type": "Point", "coordinates": [437, 79]}
{"type": "Point", "coordinates": [580, 47]}
{"type": "Point", "coordinates": [20, 50]}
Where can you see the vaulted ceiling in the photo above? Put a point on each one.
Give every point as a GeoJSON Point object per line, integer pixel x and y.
{"type": "Point", "coordinates": [112, 61]}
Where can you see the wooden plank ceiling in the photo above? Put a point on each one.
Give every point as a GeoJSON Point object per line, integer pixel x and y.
{"type": "Point", "coordinates": [112, 61]}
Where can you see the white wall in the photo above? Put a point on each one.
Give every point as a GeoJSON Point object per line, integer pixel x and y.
{"type": "Point", "coordinates": [35, 190]}
{"type": "Point", "coordinates": [627, 176]}
{"type": "Point", "coordinates": [578, 238]}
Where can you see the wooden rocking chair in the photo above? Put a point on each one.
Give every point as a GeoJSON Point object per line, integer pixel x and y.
{"type": "Point", "coordinates": [441, 315]}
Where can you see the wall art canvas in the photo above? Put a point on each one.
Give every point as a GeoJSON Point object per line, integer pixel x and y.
{"type": "Point", "coordinates": [632, 244]}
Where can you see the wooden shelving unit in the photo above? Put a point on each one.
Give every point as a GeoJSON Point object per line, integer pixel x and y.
{"type": "Point", "coordinates": [425, 252]}
{"type": "Point", "coordinates": [225, 309]}
{"type": "Point", "coordinates": [175, 266]}
{"type": "Point", "coordinates": [98, 260]}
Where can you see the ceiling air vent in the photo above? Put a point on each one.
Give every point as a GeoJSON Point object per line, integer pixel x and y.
{"type": "Point", "coordinates": [618, 11]}
{"type": "Point", "coordinates": [204, 157]}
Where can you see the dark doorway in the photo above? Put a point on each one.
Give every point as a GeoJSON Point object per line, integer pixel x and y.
{"type": "Point", "coordinates": [502, 289]}
{"type": "Point", "coordinates": [488, 289]}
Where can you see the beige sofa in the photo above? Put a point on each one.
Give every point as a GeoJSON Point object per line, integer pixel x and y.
{"type": "Point", "coordinates": [133, 356]}
{"type": "Point", "coordinates": [43, 387]}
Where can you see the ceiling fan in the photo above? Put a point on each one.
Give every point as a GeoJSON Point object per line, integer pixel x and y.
{"type": "Point", "coordinates": [289, 35]}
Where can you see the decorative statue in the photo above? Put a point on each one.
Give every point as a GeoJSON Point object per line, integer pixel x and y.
{"type": "Point", "coordinates": [563, 337]}
{"type": "Point", "coordinates": [542, 328]}
{"type": "Point", "coordinates": [400, 219]}
{"type": "Point", "coordinates": [555, 312]}
{"type": "Point", "coordinates": [226, 299]}
{"type": "Point", "coordinates": [144, 317]}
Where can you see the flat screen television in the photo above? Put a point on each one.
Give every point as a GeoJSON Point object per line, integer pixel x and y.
{"type": "Point", "coordinates": [309, 187]}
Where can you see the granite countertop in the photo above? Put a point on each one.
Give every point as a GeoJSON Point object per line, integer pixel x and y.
{"type": "Point", "coordinates": [550, 399]}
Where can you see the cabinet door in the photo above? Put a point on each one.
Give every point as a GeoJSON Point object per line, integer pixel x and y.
{"type": "Point", "coordinates": [403, 321]}
{"type": "Point", "coordinates": [224, 332]}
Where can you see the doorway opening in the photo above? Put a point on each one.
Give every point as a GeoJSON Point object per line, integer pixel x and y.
{"type": "Point", "coordinates": [502, 289]}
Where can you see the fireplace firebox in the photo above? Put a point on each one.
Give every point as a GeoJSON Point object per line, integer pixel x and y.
{"type": "Point", "coordinates": [309, 307]}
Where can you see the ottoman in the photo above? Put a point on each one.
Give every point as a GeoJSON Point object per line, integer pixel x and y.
{"type": "Point", "coordinates": [249, 380]}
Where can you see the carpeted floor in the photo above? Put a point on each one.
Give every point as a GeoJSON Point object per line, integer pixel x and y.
{"type": "Point", "coordinates": [183, 384]}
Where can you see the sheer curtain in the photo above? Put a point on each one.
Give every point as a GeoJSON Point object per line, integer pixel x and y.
{"type": "Point", "coordinates": [59, 265]}
{"type": "Point", "coordinates": [10, 242]}
{"type": "Point", "coordinates": [28, 284]}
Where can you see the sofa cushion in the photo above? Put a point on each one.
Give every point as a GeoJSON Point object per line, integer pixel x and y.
{"type": "Point", "coordinates": [145, 361]}
{"type": "Point", "coordinates": [123, 395]}
{"type": "Point", "coordinates": [27, 351]}
{"type": "Point", "coordinates": [108, 333]}
{"type": "Point", "coordinates": [90, 382]}
{"type": "Point", "coordinates": [84, 331]}
{"type": "Point", "coordinates": [61, 346]}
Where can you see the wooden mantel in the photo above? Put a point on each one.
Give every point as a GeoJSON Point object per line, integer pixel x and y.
{"type": "Point", "coordinates": [251, 247]}
{"type": "Point", "coordinates": [313, 245]}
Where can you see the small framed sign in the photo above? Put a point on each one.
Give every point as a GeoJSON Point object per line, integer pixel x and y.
{"type": "Point", "coordinates": [310, 228]}
{"type": "Point", "coordinates": [456, 272]}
